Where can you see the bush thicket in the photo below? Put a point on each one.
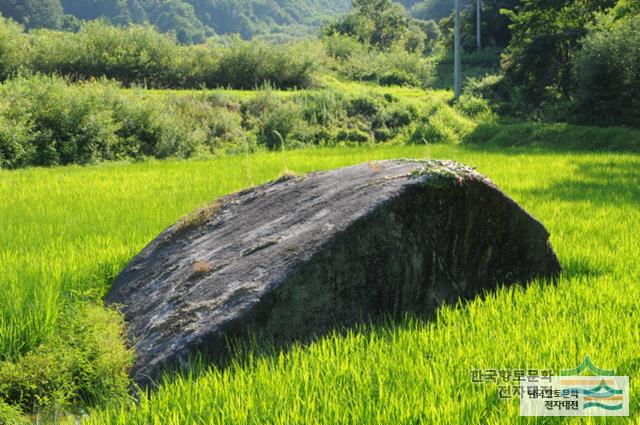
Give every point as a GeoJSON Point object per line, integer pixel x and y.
{"type": "Point", "coordinates": [49, 121]}
{"type": "Point", "coordinates": [354, 60]}
{"type": "Point", "coordinates": [14, 47]}
{"type": "Point", "coordinates": [82, 364]}
{"type": "Point", "coordinates": [191, 20]}
{"type": "Point", "coordinates": [140, 55]}
{"type": "Point", "coordinates": [607, 71]}
{"type": "Point", "coordinates": [46, 121]}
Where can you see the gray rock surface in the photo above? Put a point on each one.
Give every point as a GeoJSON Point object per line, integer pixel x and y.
{"type": "Point", "coordinates": [297, 257]}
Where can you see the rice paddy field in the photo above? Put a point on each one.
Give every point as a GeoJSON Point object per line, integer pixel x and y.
{"type": "Point", "coordinates": [66, 232]}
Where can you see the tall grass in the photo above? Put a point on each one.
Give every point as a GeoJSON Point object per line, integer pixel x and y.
{"type": "Point", "coordinates": [66, 232]}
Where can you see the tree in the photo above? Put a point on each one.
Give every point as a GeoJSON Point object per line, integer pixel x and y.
{"type": "Point", "coordinates": [607, 69]}
{"type": "Point", "coordinates": [190, 20]}
{"type": "Point", "coordinates": [388, 21]}
{"type": "Point", "coordinates": [34, 13]}
{"type": "Point", "coordinates": [13, 42]}
{"type": "Point", "coordinates": [380, 23]}
{"type": "Point", "coordinates": [177, 17]}
{"type": "Point", "coordinates": [494, 24]}
{"type": "Point", "coordinates": [545, 35]}
{"type": "Point", "coordinates": [435, 9]}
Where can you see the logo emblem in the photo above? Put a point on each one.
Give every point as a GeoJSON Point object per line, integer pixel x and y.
{"type": "Point", "coordinates": [586, 390]}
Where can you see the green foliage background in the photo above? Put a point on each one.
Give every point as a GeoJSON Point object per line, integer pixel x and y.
{"type": "Point", "coordinates": [191, 20]}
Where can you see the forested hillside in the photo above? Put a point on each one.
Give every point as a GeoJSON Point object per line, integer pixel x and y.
{"type": "Point", "coordinates": [194, 20]}
{"type": "Point", "coordinates": [191, 20]}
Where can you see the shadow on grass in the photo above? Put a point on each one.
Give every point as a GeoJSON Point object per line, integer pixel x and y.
{"type": "Point", "coordinates": [599, 182]}
{"type": "Point", "coordinates": [577, 267]}
{"type": "Point", "coordinates": [246, 351]}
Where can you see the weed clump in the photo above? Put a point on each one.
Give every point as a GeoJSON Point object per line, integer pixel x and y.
{"type": "Point", "coordinates": [445, 125]}
{"type": "Point", "coordinates": [288, 174]}
{"type": "Point", "coordinates": [197, 218]}
{"type": "Point", "coordinates": [82, 364]}
{"type": "Point", "coordinates": [201, 267]}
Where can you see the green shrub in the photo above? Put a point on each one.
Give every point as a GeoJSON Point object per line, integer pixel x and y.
{"type": "Point", "coordinates": [64, 125]}
{"type": "Point", "coordinates": [383, 134]}
{"type": "Point", "coordinates": [150, 128]}
{"type": "Point", "coordinates": [225, 128]}
{"type": "Point", "coordinates": [10, 415]}
{"type": "Point", "coordinates": [138, 55]}
{"type": "Point", "coordinates": [399, 116]}
{"type": "Point", "coordinates": [265, 101]}
{"type": "Point", "coordinates": [141, 56]}
{"type": "Point", "coordinates": [364, 106]}
{"type": "Point", "coordinates": [212, 123]}
{"type": "Point", "coordinates": [14, 48]}
{"type": "Point", "coordinates": [248, 65]}
{"type": "Point", "coordinates": [474, 107]}
{"type": "Point", "coordinates": [446, 125]}
{"type": "Point", "coordinates": [132, 55]}
{"type": "Point", "coordinates": [398, 78]}
{"type": "Point", "coordinates": [343, 47]}
{"type": "Point", "coordinates": [84, 363]}
{"type": "Point", "coordinates": [503, 98]}
{"type": "Point", "coordinates": [323, 107]}
{"type": "Point", "coordinates": [46, 121]}
{"type": "Point", "coordinates": [488, 57]}
{"type": "Point", "coordinates": [353, 135]}
{"type": "Point", "coordinates": [73, 129]}
{"type": "Point", "coordinates": [278, 124]}
{"type": "Point", "coordinates": [413, 68]}
{"type": "Point", "coordinates": [608, 73]}
{"type": "Point", "coordinates": [316, 135]}
{"type": "Point", "coordinates": [393, 67]}
{"type": "Point", "coordinates": [16, 147]}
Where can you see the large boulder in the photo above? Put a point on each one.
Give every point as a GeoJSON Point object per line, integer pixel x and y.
{"type": "Point", "coordinates": [296, 257]}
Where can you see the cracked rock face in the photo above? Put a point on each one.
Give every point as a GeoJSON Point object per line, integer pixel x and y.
{"type": "Point", "coordinates": [297, 257]}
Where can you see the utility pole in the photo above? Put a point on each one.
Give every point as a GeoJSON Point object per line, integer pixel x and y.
{"type": "Point", "coordinates": [457, 52]}
{"type": "Point", "coordinates": [478, 26]}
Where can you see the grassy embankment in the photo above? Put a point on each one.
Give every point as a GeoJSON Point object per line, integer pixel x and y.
{"type": "Point", "coordinates": [67, 231]}
{"type": "Point", "coordinates": [47, 121]}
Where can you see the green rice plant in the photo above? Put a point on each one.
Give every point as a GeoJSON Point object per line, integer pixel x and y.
{"type": "Point", "coordinates": [68, 231]}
